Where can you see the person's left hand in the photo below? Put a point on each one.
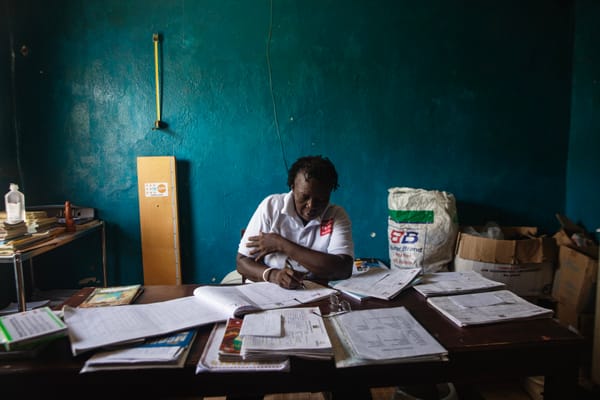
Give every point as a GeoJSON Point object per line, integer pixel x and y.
{"type": "Point", "coordinates": [263, 244]}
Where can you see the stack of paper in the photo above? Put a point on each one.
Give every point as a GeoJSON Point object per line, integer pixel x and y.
{"type": "Point", "coordinates": [29, 328]}
{"type": "Point", "coordinates": [11, 231]}
{"type": "Point", "coordinates": [381, 283]}
{"type": "Point", "coordinates": [169, 351]}
{"type": "Point", "coordinates": [380, 336]}
{"type": "Point", "coordinates": [487, 308]}
{"type": "Point", "coordinates": [28, 241]}
{"type": "Point", "coordinates": [303, 335]}
{"type": "Point", "coordinates": [94, 327]}
{"type": "Point", "coordinates": [447, 283]}
{"type": "Point", "coordinates": [209, 360]}
{"type": "Point", "coordinates": [243, 299]}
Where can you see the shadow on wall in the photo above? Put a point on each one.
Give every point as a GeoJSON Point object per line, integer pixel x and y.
{"type": "Point", "coordinates": [184, 208]}
{"type": "Point", "coordinates": [478, 214]}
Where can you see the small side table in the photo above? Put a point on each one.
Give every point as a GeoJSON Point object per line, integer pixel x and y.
{"type": "Point", "coordinates": [18, 257]}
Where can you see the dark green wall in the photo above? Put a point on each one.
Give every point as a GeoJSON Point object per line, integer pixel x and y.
{"type": "Point", "coordinates": [468, 97]}
{"type": "Point", "coordinates": [7, 163]}
{"type": "Point", "coordinates": [8, 169]}
{"type": "Point", "coordinates": [583, 193]}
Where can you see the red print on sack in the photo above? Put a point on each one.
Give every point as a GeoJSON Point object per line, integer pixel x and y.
{"type": "Point", "coordinates": [326, 227]}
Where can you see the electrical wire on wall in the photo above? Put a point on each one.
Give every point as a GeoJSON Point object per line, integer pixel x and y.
{"type": "Point", "coordinates": [275, 117]}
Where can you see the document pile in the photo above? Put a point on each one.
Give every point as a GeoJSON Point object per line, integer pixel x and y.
{"type": "Point", "coordinates": [381, 336]}
{"type": "Point", "coordinates": [302, 333]}
{"type": "Point", "coordinates": [448, 283]}
{"type": "Point", "coordinates": [28, 329]}
{"type": "Point", "coordinates": [169, 351]}
{"type": "Point", "coordinates": [239, 300]}
{"type": "Point", "coordinates": [90, 328]}
{"type": "Point", "coordinates": [381, 283]}
{"type": "Point", "coordinates": [210, 360]}
{"type": "Point", "coordinates": [487, 308]}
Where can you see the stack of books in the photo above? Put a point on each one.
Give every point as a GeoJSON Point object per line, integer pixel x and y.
{"type": "Point", "coordinates": [11, 231]}
{"type": "Point", "coordinates": [28, 241]}
{"type": "Point", "coordinates": [168, 351]}
{"type": "Point", "coordinates": [39, 221]}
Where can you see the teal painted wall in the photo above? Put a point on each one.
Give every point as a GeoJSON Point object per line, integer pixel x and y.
{"type": "Point", "coordinates": [8, 168]}
{"type": "Point", "coordinates": [469, 98]}
{"type": "Point", "coordinates": [583, 193]}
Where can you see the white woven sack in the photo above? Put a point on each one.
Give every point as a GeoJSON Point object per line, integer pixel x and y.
{"type": "Point", "coordinates": [422, 228]}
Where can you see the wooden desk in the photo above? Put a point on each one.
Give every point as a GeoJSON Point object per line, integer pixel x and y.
{"type": "Point", "coordinates": [477, 354]}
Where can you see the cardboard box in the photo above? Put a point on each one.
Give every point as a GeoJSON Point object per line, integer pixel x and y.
{"type": "Point", "coordinates": [523, 261]}
{"type": "Point", "coordinates": [574, 284]}
{"type": "Point", "coordinates": [520, 246]}
{"type": "Point", "coordinates": [527, 280]}
{"type": "Point", "coordinates": [564, 237]}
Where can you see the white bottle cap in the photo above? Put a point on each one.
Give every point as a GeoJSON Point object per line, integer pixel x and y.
{"type": "Point", "coordinates": [14, 186]}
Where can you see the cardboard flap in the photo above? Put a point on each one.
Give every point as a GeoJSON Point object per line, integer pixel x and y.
{"type": "Point", "coordinates": [523, 251]}
{"type": "Point", "coordinates": [564, 237]}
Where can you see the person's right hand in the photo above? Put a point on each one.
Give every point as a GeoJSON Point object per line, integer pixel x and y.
{"type": "Point", "coordinates": [287, 278]}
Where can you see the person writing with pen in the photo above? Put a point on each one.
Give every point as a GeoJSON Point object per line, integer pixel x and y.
{"type": "Point", "coordinates": [299, 235]}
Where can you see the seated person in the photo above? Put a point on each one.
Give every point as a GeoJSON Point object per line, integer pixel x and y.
{"type": "Point", "coordinates": [299, 234]}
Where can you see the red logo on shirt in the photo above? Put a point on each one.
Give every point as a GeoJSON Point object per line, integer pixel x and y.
{"type": "Point", "coordinates": [326, 227]}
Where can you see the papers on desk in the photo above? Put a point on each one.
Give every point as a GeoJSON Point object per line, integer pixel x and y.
{"type": "Point", "coordinates": [209, 360]}
{"type": "Point", "coordinates": [90, 328]}
{"type": "Point", "coordinates": [380, 336]}
{"type": "Point", "coordinates": [169, 351]}
{"type": "Point", "coordinates": [381, 283]}
{"type": "Point", "coordinates": [239, 300]}
{"type": "Point", "coordinates": [447, 283]}
{"type": "Point", "coordinates": [487, 308]}
{"type": "Point", "coordinates": [304, 335]}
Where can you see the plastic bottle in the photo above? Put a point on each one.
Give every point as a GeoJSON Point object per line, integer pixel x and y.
{"type": "Point", "coordinates": [15, 205]}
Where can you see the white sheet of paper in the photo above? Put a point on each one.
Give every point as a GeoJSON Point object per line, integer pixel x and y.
{"type": "Point", "coordinates": [262, 324]}
{"type": "Point", "coordinates": [90, 328]}
{"type": "Point", "coordinates": [381, 283]}
{"type": "Point", "coordinates": [481, 300]}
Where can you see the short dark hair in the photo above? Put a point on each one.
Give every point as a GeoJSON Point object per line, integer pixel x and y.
{"type": "Point", "coordinates": [317, 167]}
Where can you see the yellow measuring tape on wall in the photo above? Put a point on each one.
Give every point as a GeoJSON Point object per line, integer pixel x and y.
{"type": "Point", "coordinates": [158, 124]}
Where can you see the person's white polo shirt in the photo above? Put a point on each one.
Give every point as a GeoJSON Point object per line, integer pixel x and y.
{"type": "Point", "coordinates": [330, 233]}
